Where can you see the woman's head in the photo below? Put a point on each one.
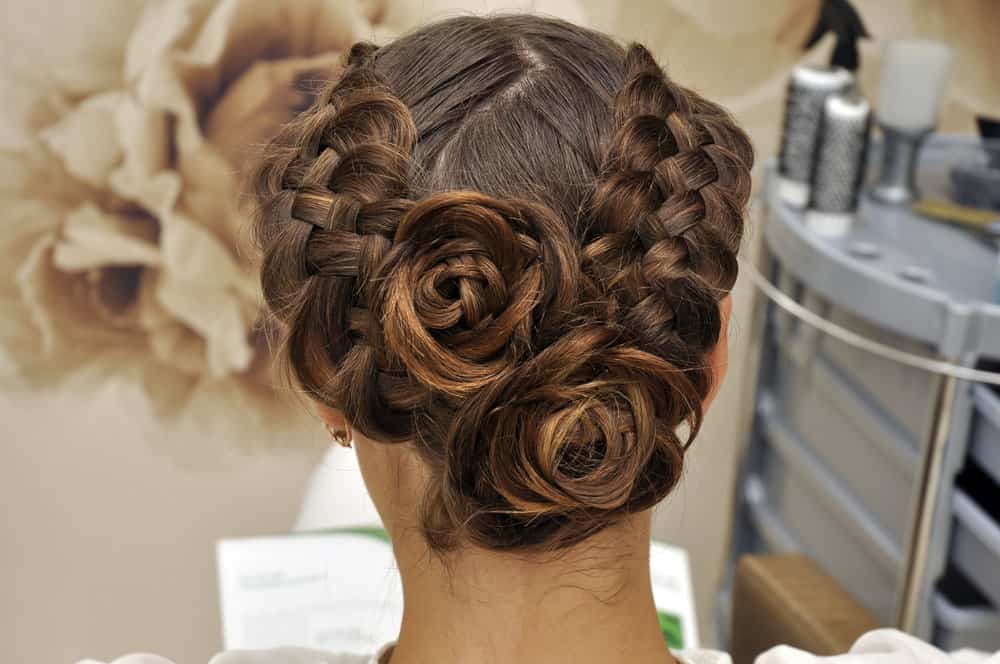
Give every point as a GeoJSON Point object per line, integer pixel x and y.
{"type": "Point", "coordinates": [503, 243]}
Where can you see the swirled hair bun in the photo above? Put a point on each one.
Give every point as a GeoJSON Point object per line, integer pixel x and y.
{"type": "Point", "coordinates": [503, 241]}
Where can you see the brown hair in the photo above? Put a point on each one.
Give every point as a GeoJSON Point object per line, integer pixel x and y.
{"type": "Point", "coordinates": [504, 241]}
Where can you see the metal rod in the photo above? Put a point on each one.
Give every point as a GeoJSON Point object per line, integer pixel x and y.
{"type": "Point", "coordinates": [851, 338]}
{"type": "Point", "coordinates": [923, 521]}
{"type": "Point", "coordinates": [897, 183]}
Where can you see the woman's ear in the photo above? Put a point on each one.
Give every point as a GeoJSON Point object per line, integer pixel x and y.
{"type": "Point", "coordinates": [333, 419]}
{"type": "Point", "coordinates": [718, 359]}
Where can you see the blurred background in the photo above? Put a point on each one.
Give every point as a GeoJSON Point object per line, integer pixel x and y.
{"type": "Point", "coordinates": [137, 425]}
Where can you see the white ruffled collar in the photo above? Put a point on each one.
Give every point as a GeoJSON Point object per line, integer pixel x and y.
{"type": "Point", "coordinates": [684, 656]}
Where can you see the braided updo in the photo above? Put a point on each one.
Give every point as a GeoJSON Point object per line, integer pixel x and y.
{"type": "Point", "coordinates": [504, 241]}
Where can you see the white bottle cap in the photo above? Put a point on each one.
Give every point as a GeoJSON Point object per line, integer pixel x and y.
{"type": "Point", "coordinates": [792, 192]}
{"type": "Point", "coordinates": [829, 224]}
{"type": "Point", "coordinates": [814, 77]}
{"type": "Point", "coordinates": [914, 74]}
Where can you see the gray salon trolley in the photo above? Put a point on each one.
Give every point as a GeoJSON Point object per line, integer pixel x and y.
{"type": "Point", "coordinates": [886, 474]}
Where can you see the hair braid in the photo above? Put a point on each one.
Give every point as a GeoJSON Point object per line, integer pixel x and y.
{"type": "Point", "coordinates": [671, 195]}
{"type": "Point", "coordinates": [330, 196]}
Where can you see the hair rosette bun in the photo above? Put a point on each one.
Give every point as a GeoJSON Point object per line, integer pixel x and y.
{"type": "Point", "coordinates": [468, 280]}
{"type": "Point", "coordinates": [579, 434]}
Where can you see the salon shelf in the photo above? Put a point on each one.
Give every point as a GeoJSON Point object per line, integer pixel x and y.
{"type": "Point", "coordinates": [835, 457]}
{"type": "Point", "coordinates": [942, 313]}
{"type": "Point", "coordinates": [851, 435]}
{"type": "Point", "coordinates": [929, 281]}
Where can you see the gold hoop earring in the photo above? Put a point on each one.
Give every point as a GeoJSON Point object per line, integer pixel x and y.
{"type": "Point", "coordinates": [339, 436]}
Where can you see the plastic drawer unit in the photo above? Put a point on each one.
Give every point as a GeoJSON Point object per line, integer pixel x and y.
{"type": "Point", "coordinates": [851, 435]}
{"type": "Point", "coordinates": [905, 394]}
{"type": "Point", "coordinates": [960, 627]}
{"type": "Point", "coordinates": [976, 546]}
{"type": "Point", "coordinates": [901, 394]}
{"type": "Point", "coordinates": [813, 511]}
{"type": "Point", "coordinates": [770, 534]}
{"type": "Point", "coordinates": [986, 431]}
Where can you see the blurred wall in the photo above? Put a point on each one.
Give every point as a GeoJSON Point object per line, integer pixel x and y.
{"type": "Point", "coordinates": [108, 538]}
{"type": "Point", "coordinates": [108, 544]}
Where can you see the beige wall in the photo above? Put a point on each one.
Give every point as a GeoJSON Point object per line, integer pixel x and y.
{"type": "Point", "coordinates": [107, 541]}
{"type": "Point", "coordinates": [108, 545]}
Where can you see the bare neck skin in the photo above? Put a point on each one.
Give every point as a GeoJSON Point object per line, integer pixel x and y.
{"type": "Point", "coordinates": [588, 605]}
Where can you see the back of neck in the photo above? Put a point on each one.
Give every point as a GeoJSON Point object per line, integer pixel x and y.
{"type": "Point", "coordinates": [588, 605]}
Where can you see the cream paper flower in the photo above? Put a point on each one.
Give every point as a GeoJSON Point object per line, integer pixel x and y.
{"type": "Point", "coordinates": [123, 257]}
{"type": "Point", "coordinates": [123, 249]}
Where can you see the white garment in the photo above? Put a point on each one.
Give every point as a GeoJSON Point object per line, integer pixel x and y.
{"type": "Point", "coordinates": [306, 656]}
{"type": "Point", "coordinates": [882, 646]}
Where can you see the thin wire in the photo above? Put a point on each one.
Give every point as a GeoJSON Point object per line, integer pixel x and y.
{"type": "Point", "coordinates": [783, 301]}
